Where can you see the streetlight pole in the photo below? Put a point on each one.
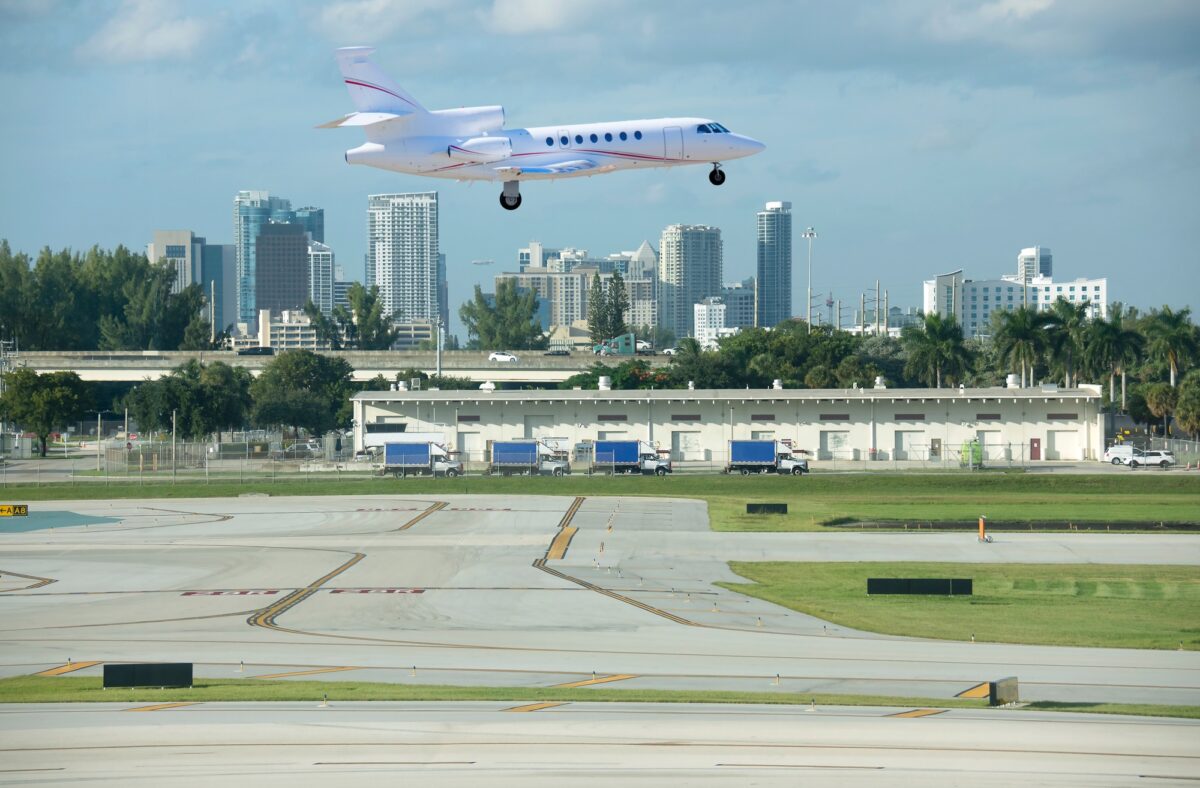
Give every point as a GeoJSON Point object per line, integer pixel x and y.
{"type": "Point", "coordinates": [98, 441]}
{"type": "Point", "coordinates": [810, 234]}
{"type": "Point", "coordinates": [440, 323]}
{"type": "Point", "coordinates": [173, 464]}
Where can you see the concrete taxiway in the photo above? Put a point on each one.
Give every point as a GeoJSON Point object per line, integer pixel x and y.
{"type": "Point", "coordinates": [511, 591]}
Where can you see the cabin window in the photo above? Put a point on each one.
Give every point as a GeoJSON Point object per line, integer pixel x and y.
{"type": "Point", "coordinates": [578, 139]}
{"type": "Point", "coordinates": [550, 141]}
{"type": "Point", "coordinates": [637, 135]}
{"type": "Point", "coordinates": [564, 140]}
{"type": "Point", "coordinates": [608, 137]}
{"type": "Point", "coordinates": [594, 138]}
{"type": "Point", "coordinates": [624, 136]}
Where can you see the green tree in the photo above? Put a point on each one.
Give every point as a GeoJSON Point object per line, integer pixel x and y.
{"type": "Point", "coordinates": [40, 403]}
{"type": "Point", "coordinates": [618, 306]}
{"type": "Point", "coordinates": [1114, 345]}
{"type": "Point", "coordinates": [1187, 407]}
{"type": "Point", "coordinates": [658, 336]}
{"type": "Point", "coordinates": [598, 318]}
{"type": "Point", "coordinates": [1066, 326]}
{"type": "Point", "coordinates": [507, 324]}
{"type": "Point", "coordinates": [1172, 338]}
{"type": "Point", "coordinates": [1020, 338]}
{"type": "Point", "coordinates": [328, 330]}
{"type": "Point", "coordinates": [372, 329]}
{"type": "Point", "coordinates": [1160, 400]}
{"type": "Point", "coordinates": [302, 389]}
{"type": "Point", "coordinates": [204, 399]}
{"type": "Point", "coordinates": [936, 350]}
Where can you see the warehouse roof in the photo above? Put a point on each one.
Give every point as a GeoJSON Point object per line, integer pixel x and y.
{"type": "Point", "coordinates": [1043, 393]}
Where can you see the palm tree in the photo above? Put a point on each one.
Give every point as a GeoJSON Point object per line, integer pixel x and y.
{"type": "Point", "coordinates": [1020, 338]}
{"type": "Point", "coordinates": [1112, 345]}
{"type": "Point", "coordinates": [1066, 323]}
{"type": "Point", "coordinates": [935, 348]}
{"type": "Point", "coordinates": [1160, 400]}
{"type": "Point", "coordinates": [1172, 337]}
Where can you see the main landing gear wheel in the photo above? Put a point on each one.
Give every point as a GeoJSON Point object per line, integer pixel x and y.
{"type": "Point", "coordinates": [717, 176]}
{"type": "Point", "coordinates": [510, 198]}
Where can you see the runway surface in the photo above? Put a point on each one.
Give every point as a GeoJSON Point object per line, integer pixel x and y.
{"type": "Point", "coordinates": [511, 591]}
{"type": "Point", "coordinates": [494, 744]}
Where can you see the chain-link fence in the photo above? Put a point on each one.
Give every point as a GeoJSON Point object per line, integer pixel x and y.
{"type": "Point", "coordinates": [1186, 452]}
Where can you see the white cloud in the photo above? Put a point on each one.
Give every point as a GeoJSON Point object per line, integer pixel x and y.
{"type": "Point", "coordinates": [145, 30]}
{"type": "Point", "coordinates": [516, 17]}
{"type": "Point", "coordinates": [368, 21]}
{"type": "Point", "coordinates": [994, 20]}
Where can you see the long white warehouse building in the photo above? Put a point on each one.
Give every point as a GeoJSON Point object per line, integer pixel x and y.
{"type": "Point", "coordinates": [897, 425]}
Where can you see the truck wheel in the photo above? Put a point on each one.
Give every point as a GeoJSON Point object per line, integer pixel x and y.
{"type": "Point", "coordinates": [745, 471]}
{"type": "Point", "coordinates": [398, 474]}
{"type": "Point", "coordinates": [797, 472]}
{"type": "Point", "coordinates": [452, 472]}
{"type": "Point", "coordinates": [1116, 460]}
{"type": "Point", "coordinates": [660, 471]}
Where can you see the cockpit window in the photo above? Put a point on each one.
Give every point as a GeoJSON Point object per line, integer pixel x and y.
{"type": "Point", "coordinates": [712, 128]}
{"type": "Point", "coordinates": [703, 129]}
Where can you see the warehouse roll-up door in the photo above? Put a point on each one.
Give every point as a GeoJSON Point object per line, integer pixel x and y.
{"type": "Point", "coordinates": [835, 445]}
{"type": "Point", "coordinates": [1062, 445]}
{"type": "Point", "coordinates": [539, 426]}
{"type": "Point", "coordinates": [910, 445]}
{"type": "Point", "coordinates": [990, 445]}
{"type": "Point", "coordinates": [686, 446]}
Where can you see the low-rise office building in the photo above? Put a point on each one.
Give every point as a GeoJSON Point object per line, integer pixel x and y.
{"type": "Point", "coordinates": [897, 425]}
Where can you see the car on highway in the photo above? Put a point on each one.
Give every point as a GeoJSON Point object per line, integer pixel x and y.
{"type": "Point", "coordinates": [670, 351]}
{"type": "Point", "coordinates": [1163, 459]}
{"type": "Point", "coordinates": [557, 352]}
{"type": "Point", "coordinates": [501, 355]}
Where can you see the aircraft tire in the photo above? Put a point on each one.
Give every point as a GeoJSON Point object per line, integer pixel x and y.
{"type": "Point", "coordinates": [716, 177]}
{"type": "Point", "coordinates": [510, 206]}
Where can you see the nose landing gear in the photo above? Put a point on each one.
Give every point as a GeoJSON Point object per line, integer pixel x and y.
{"type": "Point", "coordinates": [510, 198]}
{"type": "Point", "coordinates": [717, 176]}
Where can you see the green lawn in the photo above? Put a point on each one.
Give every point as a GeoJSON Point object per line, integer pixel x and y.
{"type": "Point", "coordinates": [1052, 604]}
{"type": "Point", "coordinates": [812, 500]}
{"type": "Point", "coordinates": [76, 689]}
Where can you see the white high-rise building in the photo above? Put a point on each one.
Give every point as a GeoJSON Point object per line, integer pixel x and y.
{"type": "Point", "coordinates": [1035, 261]}
{"type": "Point", "coordinates": [774, 304]}
{"type": "Point", "coordinates": [689, 270]}
{"type": "Point", "coordinates": [402, 253]}
{"type": "Point", "coordinates": [708, 321]}
{"type": "Point", "coordinates": [320, 276]}
{"type": "Point", "coordinates": [183, 251]}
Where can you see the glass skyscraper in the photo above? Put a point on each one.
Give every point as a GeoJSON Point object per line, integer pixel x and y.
{"type": "Point", "coordinates": [774, 264]}
{"type": "Point", "coordinates": [252, 210]}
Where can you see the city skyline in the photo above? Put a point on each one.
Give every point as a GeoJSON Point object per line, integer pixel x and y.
{"type": "Point", "coordinates": [1105, 176]}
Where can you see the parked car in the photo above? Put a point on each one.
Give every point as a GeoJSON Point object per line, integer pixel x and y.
{"type": "Point", "coordinates": [1163, 459]}
{"type": "Point", "coordinates": [369, 454]}
{"type": "Point", "coordinates": [1121, 454]}
{"type": "Point", "coordinates": [301, 450]}
{"type": "Point", "coordinates": [500, 355]}
{"type": "Point", "coordinates": [670, 351]}
{"type": "Point", "coordinates": [557, 352]}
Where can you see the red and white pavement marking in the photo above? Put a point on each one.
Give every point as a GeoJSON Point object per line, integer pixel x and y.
{"type": "Point", "coordinates": [244, 592]}
{"type": "Point", "coordinates": [377, 591]}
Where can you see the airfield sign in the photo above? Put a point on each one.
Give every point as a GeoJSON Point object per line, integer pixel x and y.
{"type": "Point", "coordinates": [14, 510]}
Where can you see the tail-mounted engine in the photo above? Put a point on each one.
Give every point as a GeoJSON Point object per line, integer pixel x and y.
{"type": "Point", "coordinates": [479, 150]}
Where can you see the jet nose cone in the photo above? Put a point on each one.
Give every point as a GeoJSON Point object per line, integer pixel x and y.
{"type": "Point", "coordinates": [746, 146]}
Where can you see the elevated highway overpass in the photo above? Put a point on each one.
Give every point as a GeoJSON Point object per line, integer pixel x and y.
{"type": "Point", "coordinates": [139, 365]}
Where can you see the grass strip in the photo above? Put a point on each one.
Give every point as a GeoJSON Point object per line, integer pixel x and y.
{"type": "Point", "coordinates": [1116, 606]}
{"type": "Point", "coordinates": [812, 500]}
{"type": "Point", "coordinates": [88, 689]}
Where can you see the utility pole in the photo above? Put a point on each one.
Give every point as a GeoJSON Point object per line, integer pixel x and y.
{"type": "Point", "coordinates": [98, 441]}
{"type": "Point", "coordinates": [839, 314]}
{"type": "Point", "coordinates": [877, 302]}
{"type": "Point", "coordinates": [810, 234]}
{"type": "Point", "coordinates": [440, 323]}
{"type": "Point", "coordinates": [886, 316]}
{"type": "Point", "coordinates": [862, 314]}
{"type": "Point", "coordinates": [212, 318]}
{"type": "Point", "coordinates": [173, 464]}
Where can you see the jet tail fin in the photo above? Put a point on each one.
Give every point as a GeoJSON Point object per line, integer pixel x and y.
{"type": "Point", "coordinates": [370, 89]}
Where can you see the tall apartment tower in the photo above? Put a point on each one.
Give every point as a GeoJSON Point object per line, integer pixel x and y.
{"type": "Point", "coordinates": [281, 270]}
{"type": "Point", "coordinates": [689, 270]}
{"type": "Point", "coordinates": [320, 276]}
{"type": "Point", "coordinates": [402, 254]}
{"type": "Point", "coordinates": [182, 251]}
{"type": "Point", "coordinates": [774, 264]}
{"type": "Point", "coordinates": [252, 210]}
{"type": "Point", "coordinates": [1035, 261]}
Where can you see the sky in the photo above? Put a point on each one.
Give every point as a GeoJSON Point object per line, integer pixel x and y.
{"type": "Point", "coordinates": [915, 136]}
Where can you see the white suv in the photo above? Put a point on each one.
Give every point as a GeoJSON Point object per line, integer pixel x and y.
{"type": "Point", "coordinates": [500, 355]}
{"type": "Point", "coordinates": [1163, 459]}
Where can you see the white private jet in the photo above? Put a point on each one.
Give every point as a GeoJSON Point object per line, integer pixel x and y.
{"type": "Point", "coordinates": [471, 143]}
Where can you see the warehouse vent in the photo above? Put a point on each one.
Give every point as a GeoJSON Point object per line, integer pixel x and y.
{"type": "Point", "coordinates": [762, 417]}
{"type": "Point", "coordinates": [1061, 416]}
{"type": "Point", "coordinates": [910, 417]}
{"type": "Point", "coordinates": [463, 418]}
{"type": "Point", "coordinates": [987, 417]}
{"type": "Point", "coordinates": [685, 417]}
{"type": "Point", "coordinates": [835, 417]}
{"type": "Point", "coordinates": [612, 417]}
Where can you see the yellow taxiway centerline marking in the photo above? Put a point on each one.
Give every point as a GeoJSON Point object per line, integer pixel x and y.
{"type": "Point", "coordinates": [600, 680]}
{"type": "Point", "coordinates": [70, 667]}
{"type": "Point", "coordinates": [303, 673]}
{"type": "Point", "coordinates": [978, 691]}
{"type": "Point", "coordinates": [558, 548]}
{"type": "Point", "coordinates": [537, 706]}
{"type": "Point", "coordinates": [164, 706]}
{"type": "Point", "coordinates": [918, 713]}
{"type": "Point", "coordinates": [434, 507]}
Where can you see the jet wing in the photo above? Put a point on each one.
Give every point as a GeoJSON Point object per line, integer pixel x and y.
{"type": "Point", "coordinates": [554, 167]}
{"type": "Point", "coordinates": [363, 119]}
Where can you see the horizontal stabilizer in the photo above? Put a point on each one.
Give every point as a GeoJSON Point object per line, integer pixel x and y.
{"type": "Point", "coordinates": [364, 119]}
{"type": "Point", "coordinates": [557, 168]}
